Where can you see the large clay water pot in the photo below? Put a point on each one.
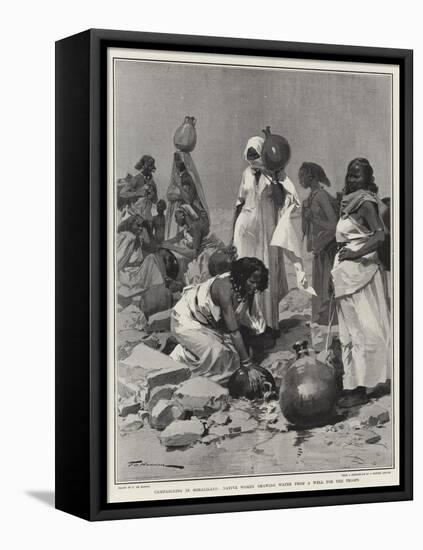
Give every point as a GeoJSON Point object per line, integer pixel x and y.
{"type": "Point", "coordinates": [239, 384]}
{"type": "Point", "coordinates": [309, 391]}
{"type": "Point", "coordinates": [185, 137]}
{"type": "Point", "coordinates": [276, 152]}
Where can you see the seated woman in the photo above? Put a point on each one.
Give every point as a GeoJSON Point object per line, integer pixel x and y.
{"type": "Point", "coordinates": [193, 245]}
{"type": "Point", "coordinates": [143, 205]}
{"type": "Point", "coordinates": [152, 277]}
{"type": "Point", "coordinates": [131, 234]}
{"type": "Point", "coordinates": [207, 320]}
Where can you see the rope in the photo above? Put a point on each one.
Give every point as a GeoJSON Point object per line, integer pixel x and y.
{"type": "Point", "coordinates": [331, 316]}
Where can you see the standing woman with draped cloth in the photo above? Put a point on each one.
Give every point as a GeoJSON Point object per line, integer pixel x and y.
{"type": "Point", "coordinates": [363, 315]}
{"type": "Point", "coordinates": [257, 210]}
{"type": "Point", "coordinates": [185, 188]}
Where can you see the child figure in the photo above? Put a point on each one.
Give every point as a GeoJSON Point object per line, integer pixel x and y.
{"type": "Point", "coordinates": [158, 223]}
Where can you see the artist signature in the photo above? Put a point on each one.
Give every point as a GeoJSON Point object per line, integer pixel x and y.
{"type": "Point", "coordinates": [133, 463]}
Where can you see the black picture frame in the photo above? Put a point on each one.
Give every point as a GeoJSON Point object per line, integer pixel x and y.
{"type": "Point", "coordinates": [81, 252]}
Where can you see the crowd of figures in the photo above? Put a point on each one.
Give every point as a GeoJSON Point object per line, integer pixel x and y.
{"type": "Point", "coordinates": [224, 297]}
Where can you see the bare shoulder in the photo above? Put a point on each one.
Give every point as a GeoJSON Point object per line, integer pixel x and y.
{"type": "Point", "coordinates": [367, 208]}
{"type": "Point", "coordinates": [221, 291]}
{"type": "Point", "coordinates": [322, 196]}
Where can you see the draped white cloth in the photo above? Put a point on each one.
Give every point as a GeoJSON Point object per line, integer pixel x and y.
{"type": "Point", "coordinates": [286, 236]}
{"type": "Point", "coordinates": [254, 229]}
{"type": "Point", "coordinates": [202, 344]}
{"type": "Point", "coordinates": [363, 314]}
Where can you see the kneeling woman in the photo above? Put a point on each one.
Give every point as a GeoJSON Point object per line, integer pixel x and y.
{"type": "Point", "coordinates": [207, 320]}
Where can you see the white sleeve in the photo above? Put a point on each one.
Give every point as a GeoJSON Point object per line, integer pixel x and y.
{"type": "Point", "coordinates": [242, 193]}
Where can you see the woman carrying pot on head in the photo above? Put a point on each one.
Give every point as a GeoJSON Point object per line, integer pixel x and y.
{"type": "Point", "coordinates": [257, 210]}
{"type": "Point", "coordinates": [363, 315]}
{"type": "Point", "coordinates": [207, 320]}
{"type": "Point", "coordinates": [185, 188]}
{"type": "Point", "coordinates": [193, 244]}
{"type": "Point", "coordinates": [319, 219]}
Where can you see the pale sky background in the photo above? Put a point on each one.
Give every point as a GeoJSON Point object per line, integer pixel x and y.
{"type": "Point", "coordinates": [327, 118]}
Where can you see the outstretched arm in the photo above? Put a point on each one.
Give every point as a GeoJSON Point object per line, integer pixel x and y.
{"type": "Point", "coordinates": [222, 296]}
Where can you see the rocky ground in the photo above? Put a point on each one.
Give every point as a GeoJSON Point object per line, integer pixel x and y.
{"type": "Point", "coordinates": [171, 426]}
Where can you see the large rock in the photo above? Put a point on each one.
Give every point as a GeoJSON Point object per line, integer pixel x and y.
{"type": "Point", "coordinates": [145, 363]}
{"type": "Point", "coordinates": [128, 406]}
{"type": "Point", "coordinates": [201, 396]}
{"type": "Point", "coordinates": [126, 389]}
{"type": "Point", "coordinates": [182, 433]}
{"type": "Point", "coordinates": [164, 413]}
{"type": "Point", "coordinates": [161, 392]}
{"type": "Point", "coordinates": [173, 375]}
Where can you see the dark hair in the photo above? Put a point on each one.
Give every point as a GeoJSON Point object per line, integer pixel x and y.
{"type": "Point", "coordinates": [241, 271]}
{"type": "Point", "coordinates": [368, 171]}
{"type": "Point", "coordinates": [315, 171]}
{"type": "Point", "coordinates": [161, 202]}
{"type": "Point", "coordinates": [140, 164]}
{"type": "Point", "coordinates": [172, 265]}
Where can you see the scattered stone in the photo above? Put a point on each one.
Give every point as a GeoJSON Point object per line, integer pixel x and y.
{"type": "Point", "coordinates": [131, 423]}
{"type": "Point", "coordinates": [201, 396]}
{"type": "Point", "coordinates": [220, 418]}
{"type": "Point", "coordinates": [131, 336]}
{"type": "Point", "coordinates": [152, 341]}
{"type": "Point", "coordinates": [376, 415]}
{"type": "Point", "coordinates": [128, 408]}
{"type": "Point", "coordinates": [219, 432]}
{"type": "Point", "coordinates": [126, 389]}
{"type": "Point", "coordinates": [211, 438]}
{"type": "Point", "coordinates": [161, 392]}
{"type": "Point", "coordinates": [144, 415]}
{"type": "Point", "coordinates": [368, 436]}
{"type": "Point", "coordinates": [172, 375]}
{"type": "Point", "coordinates": [182, 433]}
{"type": "Point", "coordinates": [131, 318]}
{"type": "Point", "coordinates": [164, 413]}
{"type": "Point", "coordinates": [151, 365]}
{"type": "Point", "coordinates": [373, 439]}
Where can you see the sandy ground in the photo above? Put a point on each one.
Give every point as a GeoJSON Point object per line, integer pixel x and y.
{"type": "Point", "coordinates": [266, 446]}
